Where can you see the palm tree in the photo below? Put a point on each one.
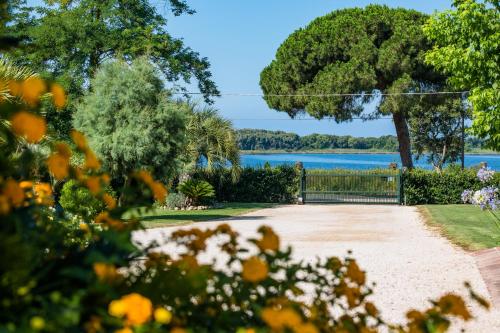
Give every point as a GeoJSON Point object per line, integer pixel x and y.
{"type": "Point", "coordinates": [11, 72]}
{"type": "Point", "coordinates": [212, 141]}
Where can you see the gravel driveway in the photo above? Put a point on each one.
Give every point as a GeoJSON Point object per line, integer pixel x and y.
{"type": "Point", "coordinates": [409, 262]}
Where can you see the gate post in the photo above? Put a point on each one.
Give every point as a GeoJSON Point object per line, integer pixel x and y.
{"type": "Point", "coordinates": [302, 199]}
{"type": "Point", "coordinates": [400, 187]}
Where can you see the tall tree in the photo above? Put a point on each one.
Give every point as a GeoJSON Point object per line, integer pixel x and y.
{"type": "Point", "coordinates": [468, 49]}
{"type": "Point", "coordinates": [436, 128]}
{"type": "Point", "coordinates": [68, 40]}
{"type": "Point", "coordinates": [129, 121]}
{"type": "Point", "coordinates": [355, 50]}
{"type": "Point", "coordinates": [71, 38]}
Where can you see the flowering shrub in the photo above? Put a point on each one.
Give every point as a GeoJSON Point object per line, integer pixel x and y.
{"type": "Point", "coordinates": [104, 282]}
{"type": "Point", "coordinates": [485, 174]}
{"type": "Point", "coordinates": [488, 196]}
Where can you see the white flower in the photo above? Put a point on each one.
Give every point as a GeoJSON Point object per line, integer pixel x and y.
{"type": "Point", "coordinates": [478, 197]}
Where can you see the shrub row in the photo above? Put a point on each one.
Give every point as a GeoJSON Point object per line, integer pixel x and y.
{"type": "Point", "coordinates": [269, 184]}
{"type": "Point", "coordinates": [430, 187]}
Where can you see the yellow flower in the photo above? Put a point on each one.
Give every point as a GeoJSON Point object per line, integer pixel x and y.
{"type": "Point", "coordinates": [289, 317]}
{"type": "Point", "coordinates": [162, 316]}
{"type": "Point", "coordinates": [355, 274]}
{"type": "Point", "coordinates": [145, 177]}
{"type": "Point", "coordinates": [29, 126]}
{"type": "Point", "coordinates": [105, 178]}
{"type": "Point", "coordinates": [15, 88]}
{"type": "Point", "coordinates": [102, 217]}
{"type": "Point", "coordinates": [109, 201]}
{"type": "Point", "coordinates": [105, 272]}
{"type": "Point", "coordinates": [14, 192]}
{"type": "Point", "coordinates": [58, 166]}
{"type": "Point", "coordinates": [63, 149]}
{"type": "Point", "coordinates": [91, 161]}
{"type": "Point", "coordinates": [352, 295]}
{"type": "Point", "coordinates": [26, 185]}
{"type": "Point", "coordinates": [58, 95]}
{"type": "Point", "coordinates": [79, 139]}
{"type": "Point", "coordinates": [44, 194]}
{"type": "Point", "coordinates": [32, 89]}
{"type": "Point", "coordinates": [84, 227]}
{"type": "Point", "coordinates": [37, 323]}
{"type": "Point", "coordinates": [93, 183]}
{"type": "Point", "coordinates": [415, 315]}
{"type": "Point", "coordinates": [4, 205]}
{"type": "Point", "coordinates": [159, 191]}
{"type": "Point", "coordinates": [254, 270]}
{"type": "Point", "coordinates": [136, 308]}
{"type": "Point", "coordinates": [269, 316]}
{"type": "Point", "coordinates": [306, 328]}
{"type": "Point", "coordinates": [270, 241]}
{"type": "Point", "coordinates": [277, 319]}
{"type": "Point", "coordinates": [117, 308]}
{"type": "Point", "coordinates": [371, 309]}
{"type": "Point", "coordinates": [455, 305]}
{"type": "Point", "coordinates": [124, 330]}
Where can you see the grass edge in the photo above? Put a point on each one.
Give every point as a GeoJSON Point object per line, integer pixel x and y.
{"type": "Point", "coordinates": [433, 225]}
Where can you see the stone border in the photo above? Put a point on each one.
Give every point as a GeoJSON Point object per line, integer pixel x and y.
{"type": "Point", "coordinates": [488, 262]}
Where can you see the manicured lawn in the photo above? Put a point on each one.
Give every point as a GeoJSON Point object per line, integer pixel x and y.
{"type": "Point", "coordinates": [154, 218]}
{"type": "Point", "coordinates": [465, 225]}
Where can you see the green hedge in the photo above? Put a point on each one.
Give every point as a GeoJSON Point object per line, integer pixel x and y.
{"type": "Point", "coordinates": [430, 187]}
{"type": "Point", "coordinates": [268, 184]}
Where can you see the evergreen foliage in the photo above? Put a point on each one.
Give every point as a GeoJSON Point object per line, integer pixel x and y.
{"type": "Point", "coordinates": [358, 50]}
{"type": "Point", "coordinates": [130, 122]}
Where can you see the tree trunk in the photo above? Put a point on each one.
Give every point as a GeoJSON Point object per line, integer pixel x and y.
{"type": "Point", "coordinates": [403, 139]}
{"type": "Point", "coordinates": [121, 198]}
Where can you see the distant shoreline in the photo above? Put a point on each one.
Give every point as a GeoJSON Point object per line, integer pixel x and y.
{"type": "Point", "coordinates": [345, 151]}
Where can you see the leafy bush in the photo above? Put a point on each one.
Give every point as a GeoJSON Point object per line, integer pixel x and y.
{"type": "Point", "coordinates": [430, 187]}
{"type": "Point", "coordinates": [197, 191]}
{"type": "Point", "coordinates": [175, 200]}
{"type": "Point", "coordinates": [275, 185]}
{"type": "Point", "coordinates": [77, 199]}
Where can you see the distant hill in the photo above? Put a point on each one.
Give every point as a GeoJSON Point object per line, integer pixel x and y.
{"type": "Point", "coordinates": [258, 139]}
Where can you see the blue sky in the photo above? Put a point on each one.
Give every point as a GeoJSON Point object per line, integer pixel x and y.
{"type": "Point", "coordinates": [240, 37]}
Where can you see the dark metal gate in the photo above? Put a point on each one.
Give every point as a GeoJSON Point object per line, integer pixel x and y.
{"type": "Point", "coordinates": [368, 187]}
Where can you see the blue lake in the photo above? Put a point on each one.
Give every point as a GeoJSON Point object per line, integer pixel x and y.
{"type": "Point", "coordinates": [353, 161]}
